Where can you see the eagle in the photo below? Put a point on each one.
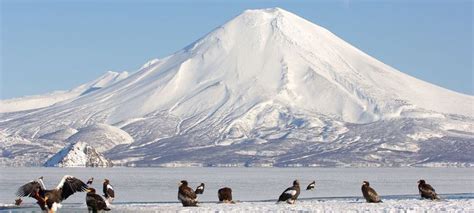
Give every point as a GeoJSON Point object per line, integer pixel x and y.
{"type": "Point", "coordinates": [89, 182]}
{"type": "Point", "coordinates": [49, 200]}
{"type": "Point", "coordinates": [369, 193]}
{"type": "Point", "coordinates": [186, 195]}
{"type": "Point", "coordinates": [200, 189]}
{"type": "Point", "coordinates": [225, 195]}
{"type": "Point", "coordinates": [290, 194]}
{"type": "Point", "coordinates": [95, 202]}
{"type": "Point", "coordinates": [311, 185]}
{"type": "Point", "coordinates": [427, 191]}
{"type": "Point", "coordinates": [108, 191]}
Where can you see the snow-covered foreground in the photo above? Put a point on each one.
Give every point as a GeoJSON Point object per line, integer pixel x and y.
{"type": "Point", "coordinates": [312, 205]}
{"type": "Point", "coordinates": [256, 189]}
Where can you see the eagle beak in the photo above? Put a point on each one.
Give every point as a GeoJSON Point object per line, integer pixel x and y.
{"type": "Point", "coordinates": [88, 190]}
{"type": "Point", "coordinates": [179, 183]}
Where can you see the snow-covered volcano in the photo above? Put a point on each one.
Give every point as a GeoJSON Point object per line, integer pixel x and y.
{"type": "Point", "coordinates": [266, 88]}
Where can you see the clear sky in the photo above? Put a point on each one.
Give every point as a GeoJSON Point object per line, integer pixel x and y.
{"type": "Point", "coordinates": [54, 45]}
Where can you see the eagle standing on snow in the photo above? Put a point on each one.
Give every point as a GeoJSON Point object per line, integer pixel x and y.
{"type": "Point", "coordinates": [290, 194]}
{"type": "Point", "coordinates": [311, 185]}
{"type": "Point", "coordinates": [200, 189]}
{"type": "Point", "coordinates": [89, 182]}
{"type": "Point", "coordinates": [95, 202]}
{"type": "Point", "coordinates": [186, 195]}
{"type": "Point", "coordinates": [225, 195]}
{"type": "Point", "coordinates": [369, 193]}
{"type": "Point", "coordinates": [427, 191]}
{"type": "Point", "coordinates": [108, 190]}
{"type": "Point", "coordinates": [50, 199]}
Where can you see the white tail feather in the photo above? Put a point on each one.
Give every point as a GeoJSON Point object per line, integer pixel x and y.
{"type": "Point", "coordinates": [56, 206]}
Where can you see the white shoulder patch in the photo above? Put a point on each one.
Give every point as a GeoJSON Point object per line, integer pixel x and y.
{"type": "Point", "coordinates": [41, 183]}
{"type": "Point", "coordinates": [61, 183]}
{"type": "Point", "coordinates": [109, 187]}
{"type": "Point", "coordinates": [291, 192]}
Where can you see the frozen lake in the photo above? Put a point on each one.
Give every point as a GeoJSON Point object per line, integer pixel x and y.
{"type": "Point", "coordinates": [155, 189]}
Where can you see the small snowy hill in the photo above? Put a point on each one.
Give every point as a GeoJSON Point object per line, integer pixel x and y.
{"type": "Point", "coordinates": [40, 101]}
{"type": "Point", "coordinates": [104, 136]}
{"type": "Point", "coordinates": [79, 154]}
{"type": "Point", "coordinates": [266, 88]}
{"type": "Point", "coordinates": [60, 135]}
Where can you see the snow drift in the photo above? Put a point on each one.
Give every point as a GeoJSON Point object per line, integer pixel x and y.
{"type": "Point", "coordinates": [268, 88]}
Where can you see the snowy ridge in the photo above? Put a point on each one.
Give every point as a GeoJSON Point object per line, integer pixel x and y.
{"type": "Point", "coordinates": [266, 88]}
{"type": "Point", "coordinates": [40, 101]}
{"type": "Point", "coordinates": [79, 154]}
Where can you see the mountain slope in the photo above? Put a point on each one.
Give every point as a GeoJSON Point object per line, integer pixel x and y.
{"type": "Point", "coordinates": [267, 87]}
{"type": "Point", "coordinates": [40, 101]}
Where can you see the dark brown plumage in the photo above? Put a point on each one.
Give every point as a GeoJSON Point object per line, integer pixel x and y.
{"type": "Point", "coordinates": [95, 202]}
{"type": "Point", "coordinates": [89, 182]}
{"type": "Point", "coordinates": [50, 199]}
{"type": "Point", "coordinates": [108, 191]}
{"type": "Point", "coordinates": [369, 193]}
{"type": "Point", "coordinates": [18, 201]}
{"type": "Point", "coordinates": [225, 195]}
{"type": "Point", "coordinates": [199, 189]}
{"type": "Point", "coordinates": [290, 194]}
{"type": "Point", "coordinates": [34, 189]}
{"type": "Point", "coordinates": [186, 195]}
{"type": "Point", "coordinates": [311, 185]}
{"type": "Point", "coordinates": [427, 191]}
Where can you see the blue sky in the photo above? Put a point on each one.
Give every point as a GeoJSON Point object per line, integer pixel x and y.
{"type": "Point", "coordinates": [54, 45]}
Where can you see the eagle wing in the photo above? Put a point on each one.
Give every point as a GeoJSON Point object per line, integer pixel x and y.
{"type": "Point", "coordinates": [72, 185]}
{"type": "Point", "coordinates": [189, 193]}
{"type": "Point", "coordinates": [428, 190]}
{"type": "Point", "coordinates": [101, 204]}
{"type": "Point", "coordinates": [199, 189]}
{"type": "Point", "coordinates": [310, 186]}
{"type": "Point", "coordinates": [373, 195]}
{"type": "Point", "coordinates": [95, 201]}
{"type": "Point", "coordinates": [429, 187]}
{"type": "Point", "coordinates": [287, 194]}
{"type": "Point", "coordinates": [30, 189]}
{"type": "Point", "coordinates": [110, 191]}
